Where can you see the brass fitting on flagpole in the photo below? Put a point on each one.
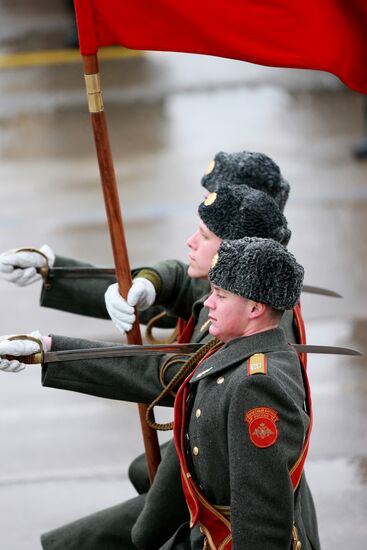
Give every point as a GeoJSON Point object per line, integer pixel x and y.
{"type": "Point", "coordinates": [94, 93]}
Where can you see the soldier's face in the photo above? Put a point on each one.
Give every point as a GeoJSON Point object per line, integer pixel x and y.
{"type": "Point", "coordinates": [203, 245]}
{"type": "Point", "coordinates": [230, 315]}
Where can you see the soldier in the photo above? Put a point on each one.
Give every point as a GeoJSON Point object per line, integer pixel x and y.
{"type": "Point", "coordinates": [254, 402]}
{"type": "Point", "coordinates": [241, 425]}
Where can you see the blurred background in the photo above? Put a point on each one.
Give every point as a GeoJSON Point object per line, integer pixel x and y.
{"type": "Point", "coordinates": [65, 455]}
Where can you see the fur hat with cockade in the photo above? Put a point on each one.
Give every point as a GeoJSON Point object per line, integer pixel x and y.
{"type": "Point", "coordinates": [258, 269]}
{"type": "Point", "coordinates": [246, 168]}
{"type": "Point", "coordinates": [234, 211]}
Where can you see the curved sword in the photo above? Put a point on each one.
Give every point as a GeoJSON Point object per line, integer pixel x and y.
{"type": "Point", "coordinates": [156, 349]}
{"type": "Point", "coordinates": [102, 272]}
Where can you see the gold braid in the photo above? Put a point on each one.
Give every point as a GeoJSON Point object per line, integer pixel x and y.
{"type": "Point", "coordinates": [175, 360]}
{"type": "Point", "coordinates": [185, 370]}
{"type": "Point", "coordinates": [149, 331]}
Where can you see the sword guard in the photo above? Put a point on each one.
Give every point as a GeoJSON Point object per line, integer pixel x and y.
{"type": "Point", "coordinates": [43, 271]}
{"type": "Point", "coordinates": [35, 358]}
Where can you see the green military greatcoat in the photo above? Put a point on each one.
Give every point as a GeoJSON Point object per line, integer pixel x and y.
{"type": "Point", "coordinates": [281, 389]}
{"type": "Point", "coordinates": [237, 461]}
{"type": "Point", "coordinates": [181, 296]}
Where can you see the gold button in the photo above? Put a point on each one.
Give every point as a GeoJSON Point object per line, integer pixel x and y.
{"type": "Point", "coordinates": [220, 380]}
{"type": "Point", "coordinates": [198, 413]}
{"type": "Point", "coordinates": [195, 451]}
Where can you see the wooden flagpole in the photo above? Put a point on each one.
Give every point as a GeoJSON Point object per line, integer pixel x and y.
{"type": "Point", "coordinates": [116, 228]}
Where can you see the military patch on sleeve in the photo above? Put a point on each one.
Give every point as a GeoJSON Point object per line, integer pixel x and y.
{"type": "Point", "coordinates": [256, 364]}
{"type": "Point", "coordinates": [261, 426]}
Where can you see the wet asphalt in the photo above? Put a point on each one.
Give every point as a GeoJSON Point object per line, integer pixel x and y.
{"type": "Point", "coordinates": [65, 455]}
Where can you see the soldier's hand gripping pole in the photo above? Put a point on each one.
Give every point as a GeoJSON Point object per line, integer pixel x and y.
{"type": "Point", "coordinates": [113, 211]}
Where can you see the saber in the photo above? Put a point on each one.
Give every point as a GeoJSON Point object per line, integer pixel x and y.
{"type": "Point", "coordinates": [321, 291]}
{"type": "Point", "coordinates": [78, 272]}
{"type": "Point", "coordinates": [327, 350]}
{"type": "Point", "coordinates": [156, 349]}
{"type": "Point", "coordinates": [102, 272]}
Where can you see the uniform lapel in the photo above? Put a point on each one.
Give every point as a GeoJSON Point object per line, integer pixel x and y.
{"type": "Point", "coordinates": [239, 350]}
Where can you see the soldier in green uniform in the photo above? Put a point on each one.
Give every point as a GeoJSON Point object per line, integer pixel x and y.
{"type": "Point", "coordinates": [241, 424]}
{"type": "Point", "coordinates": [263, 507]}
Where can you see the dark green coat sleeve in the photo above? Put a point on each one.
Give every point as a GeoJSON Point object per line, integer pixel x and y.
{"type": "Point", "coordinates": [81, 296]}
{"type": "Point", "coordinates": [262, 497]}
{"type": "Point", "coordinates": [134, 379]}
{"type": "Point", "coordinates": [85, 296]}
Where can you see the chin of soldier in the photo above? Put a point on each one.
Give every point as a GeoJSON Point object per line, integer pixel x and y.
{"type": "Point", "coordinates": [193, 271]}
{"type": "Point", "coordinates": [213, 329]}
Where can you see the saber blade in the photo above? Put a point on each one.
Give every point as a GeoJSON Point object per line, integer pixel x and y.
{"type": "Point", "coordinates": [328, 350]}
{"type": "Point", "coordinates": [118, 351]}
{"type": "Point", "coordinates": [80, 272]}
{"type": "Point", "coordinates": [321, 291]}
{"type": "Point", "coordinates": [134, 350]}
{"type": "Point", "coordinates": [85, 272]}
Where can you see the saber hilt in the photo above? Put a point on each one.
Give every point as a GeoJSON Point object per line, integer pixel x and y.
{"type": "Point", "coordinates": [43, 270]}
{"type": "Point", "coordinates": [34, 359]}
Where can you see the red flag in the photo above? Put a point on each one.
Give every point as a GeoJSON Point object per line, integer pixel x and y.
{"type": "Point", "coordinates": [327, 35]}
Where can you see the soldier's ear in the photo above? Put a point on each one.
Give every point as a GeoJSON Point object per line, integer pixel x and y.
{"type": "Point", "coordinates": [257, 310]}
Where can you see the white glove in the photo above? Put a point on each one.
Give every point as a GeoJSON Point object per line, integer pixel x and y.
{"type": "Point", "coordinates": [21, 267]}
{"type": "Point", "coordinates": [18, 348]}
{"type": "Point", "coordinates": [141, 294]}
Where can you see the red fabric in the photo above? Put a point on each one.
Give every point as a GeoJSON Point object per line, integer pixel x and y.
{"type": "Point", "coordinates": [328, 35]}
{"type": "Point", "coordinates": [200, 509]}
{"type": "Point", "coordinates": [297, 469]}
{"type": "Point", "coordinates": [301, 330]}
{"type": "Point", "coordinates": [185, 330]}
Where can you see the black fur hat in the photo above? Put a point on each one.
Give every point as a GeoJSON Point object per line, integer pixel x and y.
{"type": "Point", "coordinates": [233, 212]}
{"type": "Point", "coordinates": [253, 169]}
{"type": "Point", "coordinates": [259, 269]}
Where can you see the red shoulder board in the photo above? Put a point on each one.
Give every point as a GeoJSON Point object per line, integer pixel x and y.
{"type": "Point", "coordinates": [256, 364]}
{"type": "Point", "coordinates": [261, 426]}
